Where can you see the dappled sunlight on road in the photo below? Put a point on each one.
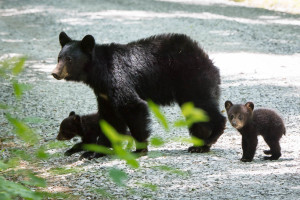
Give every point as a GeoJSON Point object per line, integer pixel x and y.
{"type": "Point", "coordinates": [136, 15]}
{"type": "Point", "coordinates": [264, 66]}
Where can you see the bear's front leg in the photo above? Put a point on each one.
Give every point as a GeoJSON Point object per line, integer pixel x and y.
{"type": "Point", "coordinates": [76, 148]}
{"type": "Point", "coordinates": [249, 143]}
{"type": "Point", "coordinates": [136, 116]}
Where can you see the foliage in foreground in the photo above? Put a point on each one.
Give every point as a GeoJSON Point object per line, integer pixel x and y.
{"type": "Point", "coordinates": [19, 181]}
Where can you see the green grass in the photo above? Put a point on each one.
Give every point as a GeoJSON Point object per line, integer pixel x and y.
{"type": "Point", "coordinates": [63, 170]}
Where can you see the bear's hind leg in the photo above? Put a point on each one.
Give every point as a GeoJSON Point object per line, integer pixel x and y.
{"type": "Point", "coordinates": [208, 131]}
{"type": "Point", "coordinates": [275, 150]}
{"type": "Point", "coordinates": [201, 131]}
{"type": "Point", "coordinates": [267, 152]}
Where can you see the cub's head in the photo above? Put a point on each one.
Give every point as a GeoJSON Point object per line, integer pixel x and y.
{"type": "Point", "coordinates": [69, 127]}
{"type": "Point", "coordinates": [239, 114]}
{"type": "Point", "coordinates": [74, 58]}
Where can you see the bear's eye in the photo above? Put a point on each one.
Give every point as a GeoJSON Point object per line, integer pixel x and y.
{"type": "Point", "coordinates": [68, 59]}
{"type": "Point", "coordinates": [240, 117]}
{"type": "Point", "coordinates": [231, 117]}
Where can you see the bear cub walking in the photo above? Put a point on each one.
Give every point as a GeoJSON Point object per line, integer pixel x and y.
{"type": "Point", "coordinates": [86, 126]}
{"type": "Point", "coordinates": [251, 123]}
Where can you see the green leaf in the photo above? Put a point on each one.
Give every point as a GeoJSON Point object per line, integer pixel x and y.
{"type": "Point", "coordinates": [98, 149]}
{"type": "Point", "coordinates": [3, 106]}
{"type": "Point", "coordinates": [181, 123]}
{"type": "Point", "coordinates": [103, 193]}
{"type": "Point", "coordinates": [192, 115]}
{"type": "Point", "coordinates": [140, 145]}
{"type": "Point", "coordinates": [171, 170]}
{"type": "Point", "coordinates": [110, 132]}
{"type": "Point", "coordinates": [17, 89]}
{"type": "Point", "coordinates": [151, 186]}
{"type": "Point", "coordinates": [3, 166]}
{"type": "Point", "coordinates": [20, 88]}
{"type": "Point", "coordinates": [17, 69]}
{"type": "Point", "coordinates": [4, 196]}
{"type": "Point", "coordinates": [16, 189]}
{"type": "Point", "coordinates": [62, 170]}
{"type": "Point", "coordinates": [129, 157]}
{"type": "Point", "coordinates": [157, 141]}
{"type": "Point", "coordinates": [117, 141]}
{"type": "Point", "coordinates": [55, 145]}
{"type": "Point", "coordinates": [35, 181]}
{"type": "Point", "coordinates": [158, 114]}
{"type": "Point", "coordinates": [22, 130]}
{"type": "Point", "coordinates": [118, 176]}
{"type": "Point", "coordinates": [18, 153]}
{"type": "Point", "coordinates": [41, 154]}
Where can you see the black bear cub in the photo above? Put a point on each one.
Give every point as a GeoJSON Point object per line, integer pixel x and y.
{"type": "Point", "coordinates": [251, 123]}
{"type": "Point", "coordinates": [87, 127]}
{"type": "Point", "coordinates": [167, 68]}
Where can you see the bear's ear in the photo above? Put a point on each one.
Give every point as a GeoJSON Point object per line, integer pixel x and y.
{"type": "Point", "coordinates": [72, 113]}
{"type": "Point", "coordinates": [228, 105]}
{"type": "Point", "coordinates": [88, 44]}
{"type": "Point", "coordinates": [64, 39]}
{"type": "Point", "coordinates": [250, 105]}
{"type": "Point", "coordinates": [76, 118]}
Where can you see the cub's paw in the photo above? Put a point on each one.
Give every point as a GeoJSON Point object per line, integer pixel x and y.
{"type": "Point", "coordinates": [141, 152]}
{"type": "Point", "coordinates": [99, 155]}
{"type": "Point", "coordinates": [267, 152]}
{"type": "Point", "coordinates": [87, 155]}
{"type": "Point", "coordinates": [69, 152]}
{"type": "Point", "coordinates": [246, 160]}
{"type": "Point", "coordinates": [202, 149]}
{"type": "Point", "coordinates": [271, 158]}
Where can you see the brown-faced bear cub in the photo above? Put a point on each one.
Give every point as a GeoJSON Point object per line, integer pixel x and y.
{"type": "Point", "coordinates": [87, 127]}
{"type": "Point", "coordinates": [251, 123]}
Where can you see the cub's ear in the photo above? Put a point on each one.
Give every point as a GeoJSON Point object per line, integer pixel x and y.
{"type": "Point", "coordinates": [88, 44]}
{"type": "Point", "coordinates": [64, 39]}
{"type": "Point", "coordinates": [72, 113]}
{"type": "Point", "coordinates": [228, 105]}
{"type": "Point", "coordinates": [250, 105]}
{"type": "Point", "coordinates": [76, 118]}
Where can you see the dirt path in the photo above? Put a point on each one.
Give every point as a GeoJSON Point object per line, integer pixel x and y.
{"type": "Point", "coordinates": [257, 51]}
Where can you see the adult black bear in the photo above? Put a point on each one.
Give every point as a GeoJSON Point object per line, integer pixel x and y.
{"type": "Point", "coordinates": [251, 123]}
{"type": "Point", "coordinates": [86, 126]}
{"type": "Point", "coordinates": [164, 68]}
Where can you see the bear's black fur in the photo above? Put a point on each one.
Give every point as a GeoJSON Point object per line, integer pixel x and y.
{"type": "Point", "coordinates": [87, 127]}
{"type": "Point", "coordinates": [251, 123]}
{"type": "Point", "coordinates": [164, 68]}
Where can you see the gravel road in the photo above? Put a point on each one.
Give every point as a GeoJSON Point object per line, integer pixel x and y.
{"type": "Point", "coordinates": [257, 51]}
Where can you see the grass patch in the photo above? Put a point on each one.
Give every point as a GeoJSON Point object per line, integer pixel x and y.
{"type": "Point", "coordinates": [103, 193]}
{"type": "Point", "coordinates": [171, 170]}
{"type": "Point", "coordinates": [63, 170]}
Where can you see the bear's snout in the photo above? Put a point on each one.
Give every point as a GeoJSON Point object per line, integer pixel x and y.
{"type": "Point", "coordinates": [56, 73]}
{"type": "Point", "coordinates": [60, 71]}
{"type": "Point", "coordinates": [56, 76]}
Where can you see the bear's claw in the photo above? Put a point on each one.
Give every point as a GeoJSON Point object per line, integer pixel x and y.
{"type": "Point", "coordinates": [202, 149]}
